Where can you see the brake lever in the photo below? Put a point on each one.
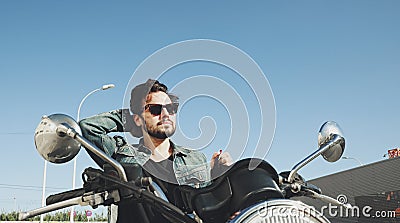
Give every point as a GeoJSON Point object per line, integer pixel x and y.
{"type": "Point", "coordinates": [327, 199]}
{"type": "Point", "coordinates": [311, 187]}
{"type": "Point", "coordinates": [92, 199]}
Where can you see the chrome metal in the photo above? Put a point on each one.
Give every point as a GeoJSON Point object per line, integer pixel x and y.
{"type": "Point", "coordinates": [336, 139]}
{"type": "Point", "coordinates": [58, 140]}
{"type": "Point", "coordinates": [49, 208]}
{"type": "Point", "coordinates": [51, 145]}
{"type": "Point", "coordinates": [295, 187]}
{"type": "Point", "coordinates": [326, 132]}
{"type": "Point", "coordinates": [331, 146]}
{"type": "Point", "coordinates": [87, 199]}
{"type": "Point", "coordinates": [88, 145]}
{"type": "Point", "coordinates": [328, 199]}
{"type": "Point", "coordinates": [281, 179]}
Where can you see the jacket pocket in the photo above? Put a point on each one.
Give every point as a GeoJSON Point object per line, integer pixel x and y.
{"type": "Point", "coordinates": [192, 175]}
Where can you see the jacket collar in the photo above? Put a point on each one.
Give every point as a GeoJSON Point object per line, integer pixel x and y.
{"type": "Point", "coordinates": [176, 150]}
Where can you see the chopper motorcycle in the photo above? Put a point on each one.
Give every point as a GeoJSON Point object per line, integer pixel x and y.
{"type": "Point", "coordinates": [257, 194]}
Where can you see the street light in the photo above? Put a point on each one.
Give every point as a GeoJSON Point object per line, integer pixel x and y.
{"type": "Point", "coordinates": [352, 158]}
{"type": "Point", "coordinates": [104, 87]}
{"type": "Point", "coordinates": [15, 203]}
{"type": "Point", "coordinates": [44, 188]}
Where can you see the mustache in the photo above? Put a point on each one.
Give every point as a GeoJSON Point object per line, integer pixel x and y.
{"type": "Point", "coordinates": [164, 120]}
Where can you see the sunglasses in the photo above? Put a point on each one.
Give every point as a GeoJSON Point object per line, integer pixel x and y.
{"type": "Point", "coordinates": [155, 109]}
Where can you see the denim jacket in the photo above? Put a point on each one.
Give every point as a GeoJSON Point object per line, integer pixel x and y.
{"type": "Point", "coordinates": [190, 166]}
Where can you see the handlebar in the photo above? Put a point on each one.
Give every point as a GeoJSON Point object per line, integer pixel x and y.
{"type": "Point", "coordinates": [111, 190]}
{"type": "Point", "coordinates": [92, 199]}
{"type": "Point", "coordinates": [328, 199]}
{"type": "Point", "coordinates": [65, 129]}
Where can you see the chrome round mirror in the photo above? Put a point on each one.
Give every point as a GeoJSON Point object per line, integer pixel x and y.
{"type": "Point", "coordinates": [52, 146]}
{"type": "Point", "coordinates": [326, 133]}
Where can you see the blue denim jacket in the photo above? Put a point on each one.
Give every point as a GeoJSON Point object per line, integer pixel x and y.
{"type": "Point", "coordinates": [190, 166]}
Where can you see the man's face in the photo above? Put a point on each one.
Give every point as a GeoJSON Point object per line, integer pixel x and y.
{"type": "Point", "coordinates": [159, 122]}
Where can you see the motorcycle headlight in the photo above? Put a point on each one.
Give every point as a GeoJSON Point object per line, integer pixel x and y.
{"type": "Point", "coordinates": [50, 145]}
{"type": "Point", "coordinates": [280, 210]}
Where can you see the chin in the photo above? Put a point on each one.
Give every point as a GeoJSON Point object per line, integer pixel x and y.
{"type": "Point", "coordinates": [162, 134]}
{"type": "Point", "coordinates": [169, 133]}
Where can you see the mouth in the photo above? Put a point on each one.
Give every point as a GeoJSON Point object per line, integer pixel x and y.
{"type": "Point", "coordinates": [165, 122]}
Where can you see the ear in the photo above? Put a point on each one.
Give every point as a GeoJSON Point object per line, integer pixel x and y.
{"type": "Point", "coordinates": [138, 120]}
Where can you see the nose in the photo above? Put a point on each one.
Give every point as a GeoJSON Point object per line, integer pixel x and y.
{"type": "Point", "coordinates": [164, 112]}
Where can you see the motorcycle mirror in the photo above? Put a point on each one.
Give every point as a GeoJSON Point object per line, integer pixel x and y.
{"type": "Point", "coordinates": [327, 131]}
{"type": "Point", "coordinates": [331, 147]}
{"type": "Point", "coordinates": [52, 145]}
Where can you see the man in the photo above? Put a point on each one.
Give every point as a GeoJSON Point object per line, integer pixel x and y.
{"type": "Point", "coordinates": [154, 121]}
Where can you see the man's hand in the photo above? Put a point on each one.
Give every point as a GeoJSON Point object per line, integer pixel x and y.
{"type": "Point", "coordinates": [221, 158]}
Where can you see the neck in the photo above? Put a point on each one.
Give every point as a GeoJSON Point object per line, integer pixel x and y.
{"type": "Point", "coordinates": [160, 148]}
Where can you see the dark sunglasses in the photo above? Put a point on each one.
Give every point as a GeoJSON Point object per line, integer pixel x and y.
{"type": "Point", "coordinates": [155, 109]}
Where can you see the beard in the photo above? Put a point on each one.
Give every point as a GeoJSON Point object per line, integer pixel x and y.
{"type": "Point", "coordinates": [159, 131]}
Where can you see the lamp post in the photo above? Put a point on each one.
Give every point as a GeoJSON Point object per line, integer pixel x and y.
{"type": "Point", "coordinates": [104, 87]}
{"type": "Point", "coordinates": [352, 158]}
{"type": "Point", "coordinates": [44, 188]}
{"type": "Point", "coordinates": [15, 203]}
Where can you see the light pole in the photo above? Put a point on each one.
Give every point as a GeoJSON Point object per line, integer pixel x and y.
{"type": "Point", "coordinates": [104, 87]}
{"type": "Point", "coordinates": [44, 188]}
{"type": "Point", "coordinates": [15, 203]}
{"type": "Point", "coordinates": [352, 158]}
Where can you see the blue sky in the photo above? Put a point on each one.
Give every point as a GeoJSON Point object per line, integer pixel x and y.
{"type": "Point", "coordinates": [324, 60]}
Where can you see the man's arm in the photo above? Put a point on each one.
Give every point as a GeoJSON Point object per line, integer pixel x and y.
{"type": "Point", "coordinates": [96, 129]}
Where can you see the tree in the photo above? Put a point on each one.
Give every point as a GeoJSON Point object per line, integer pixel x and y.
{"type": "Point", "coordinates": [54, 216]}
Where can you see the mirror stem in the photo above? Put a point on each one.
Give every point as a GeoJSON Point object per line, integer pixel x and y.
{"type": "Point", "coordinates": [64, 129]}
{"type": "Point", "coordinates": [336, 140]}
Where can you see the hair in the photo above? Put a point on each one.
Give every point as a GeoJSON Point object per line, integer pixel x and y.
{"type": "Point", "coordinates": [139, 94]}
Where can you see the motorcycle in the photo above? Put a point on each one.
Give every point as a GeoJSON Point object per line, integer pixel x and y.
{"type": "Point", "coordinates": [241, 194]}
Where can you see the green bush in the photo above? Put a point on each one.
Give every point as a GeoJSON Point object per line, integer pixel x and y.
{"type": "Point", "coordinates": [55, 216]}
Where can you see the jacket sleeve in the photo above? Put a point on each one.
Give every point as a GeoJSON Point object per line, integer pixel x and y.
{"type": "Point", "coordinates": [96, 129]}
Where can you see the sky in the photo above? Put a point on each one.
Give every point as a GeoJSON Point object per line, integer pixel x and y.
{"type": "Point", "coordinates": [322, 60]}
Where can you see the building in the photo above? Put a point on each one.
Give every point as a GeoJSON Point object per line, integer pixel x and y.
{"type": "Point", "coordinates": [372, 189]}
